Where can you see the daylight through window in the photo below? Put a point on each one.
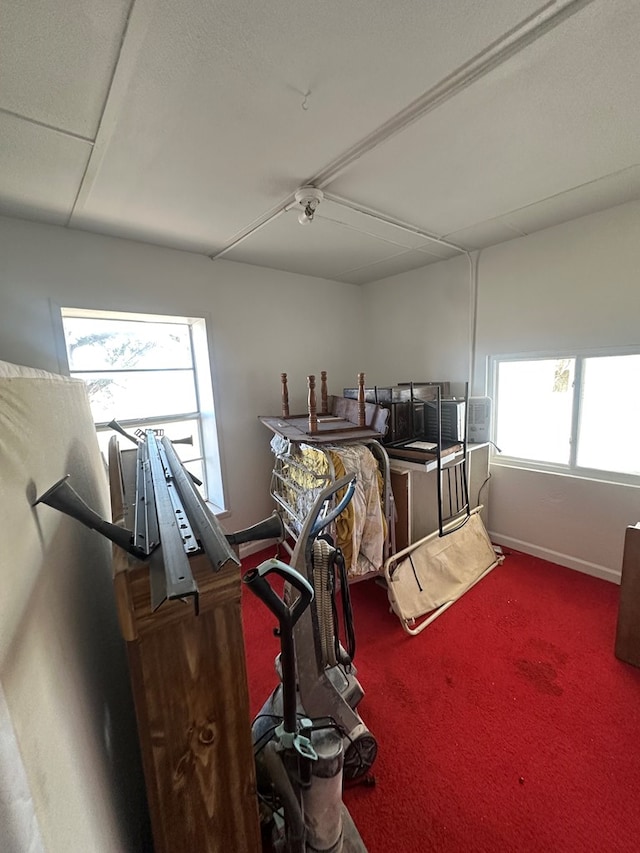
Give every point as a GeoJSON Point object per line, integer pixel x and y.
{"type": "Point", "coordinates": [576, 413]}
{"type": "Point", "coordinates": [143, 371]}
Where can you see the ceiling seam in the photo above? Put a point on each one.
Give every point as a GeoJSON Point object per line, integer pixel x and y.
{"type": "Point", "coordinates": [390, 220]}
{"type": "Point", "coordinates": [515, 228]}
{"type": "Point", "coordinates": [373, 264]}
{"type": "Point", "coordinates": [70, 133]}
{"type": "Point", "coordinates": [510, 43]}
{"type": "Point", "coordinates": [365, 211]}
{"type": "Point", "coordinates": [560, 194]}
{"type": "Point", "coordinates": [498, 220]}
{"type": "Point", "coordinates": [391, 242]}
{"type": "Point", "coordinates": [502, 218]}
{"type": "Point", "coordinates": [138, 17]}
{"type": "Point", "coordinates": [503, 48]}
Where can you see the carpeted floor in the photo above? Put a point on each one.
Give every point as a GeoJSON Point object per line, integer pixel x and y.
{"type": "Point", "coordinates": [507, 725]}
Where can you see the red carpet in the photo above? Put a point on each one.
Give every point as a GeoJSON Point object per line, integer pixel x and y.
{"type": "Point", "coordinates": [507, 725]}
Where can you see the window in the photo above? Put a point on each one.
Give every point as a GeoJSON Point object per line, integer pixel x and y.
{"type": "Point", "coordinates": [148, 372]}
{"type": "Point", "coordinates": [578, 413]}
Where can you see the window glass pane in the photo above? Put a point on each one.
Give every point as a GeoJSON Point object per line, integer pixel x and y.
{"type": "Point", "coordinates": [127, 396]}
{"type": "Point", "coordinates": [142, 368]}
{"type": "Point", "coordinates": [175, 431]}
{"type": "Point", "coordinates": [97, 344]}
{"type": "Point", "coordinates": [610, 414]}
{"type": "Point", "coordinates": [178, 430]}
{"type": "Point", "coordinates": [194, 466]}
{"type": "Point", "coordinates": [534, 407]}
{"type": "Point", "coordinates": [197, 469]}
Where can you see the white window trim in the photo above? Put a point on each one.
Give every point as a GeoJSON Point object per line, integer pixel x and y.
{"type": "Point", "coordinates": [201, 346]}
{"type": "Point", "coordinates": [572, 470]}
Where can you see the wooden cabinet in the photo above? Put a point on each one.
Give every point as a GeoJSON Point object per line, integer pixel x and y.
{"type": "Point", "coordinates": [415, 491]}
{"type": "Point", "coordinates": [627, 646]}
{"type": "Point", "coordinates": [189, 682]}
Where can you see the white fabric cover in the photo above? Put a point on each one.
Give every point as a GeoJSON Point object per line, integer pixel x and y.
{"type": "Point", "coordinates": [62, 660]}
{"type": "Point", "coordinates": [18, 823]}
{"type": "Point", "coordinates": [437, 570]}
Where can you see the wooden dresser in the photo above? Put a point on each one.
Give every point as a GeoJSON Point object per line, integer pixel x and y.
{"type": "Point", "coordinates": [189, 682]}
{"type": "Point", "coordinates": [627, 646]}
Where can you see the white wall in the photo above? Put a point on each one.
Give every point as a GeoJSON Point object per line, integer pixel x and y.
{"type": "Point", "coordinates": [261, 323]}
{"type": "Point", "coordinates": [573, 285]}
{"type": "Point", "coordinates": [417, 325]}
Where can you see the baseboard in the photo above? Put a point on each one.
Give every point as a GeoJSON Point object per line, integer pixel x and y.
{"type": "Point", "coordinates": [569, 562]}
{"type": "Point", "coordinates": [248, 548]}
{"type": "Point", "coordinates": [565, 560]}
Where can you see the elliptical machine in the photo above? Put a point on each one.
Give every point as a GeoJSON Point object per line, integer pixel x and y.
{"type": "Point", "coordinates": [308, 735]}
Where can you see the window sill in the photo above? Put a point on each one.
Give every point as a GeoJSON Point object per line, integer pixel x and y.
{"type": "Point", "coordinates": [218, 511]}
{"type": "Point", "coordinates": [608, 477]}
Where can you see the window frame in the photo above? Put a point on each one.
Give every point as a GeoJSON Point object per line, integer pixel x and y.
{"type": "Point", "coordinates": [572, 469]}
{"type": "Point", "coordinates": [204, 415]}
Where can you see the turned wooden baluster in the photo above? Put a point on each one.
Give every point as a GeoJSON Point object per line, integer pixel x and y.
{"type": "Point", "coordinates": [324, 409]}
{"type": "Point", "coordinates": [285, 396]}
{"type": "Point", "coordinates": [362, 421]}
{"type": "Point", "coordinates": [313, 418]}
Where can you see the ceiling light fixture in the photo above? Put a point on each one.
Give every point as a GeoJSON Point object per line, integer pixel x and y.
{"type": "Point", "coordinates": [308, 198]}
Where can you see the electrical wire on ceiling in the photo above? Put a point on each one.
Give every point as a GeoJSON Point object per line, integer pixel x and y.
{"type": "Point", "coordinates": [308, 197]}
{"type": "Point", "coordinates": [307, 200]}
{"type": "Point", "coordinates": [540, 22]}
{"type": "Point", "coordinates": [419, 232]}
{"type": "Point", "coordinates": [396, 223]}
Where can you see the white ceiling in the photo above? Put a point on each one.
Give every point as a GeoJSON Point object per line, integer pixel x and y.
{"type": "Point", "coordinates": [191, 124]}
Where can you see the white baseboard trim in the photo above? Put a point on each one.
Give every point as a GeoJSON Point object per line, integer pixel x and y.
{"type": "Point", "coordinates": [566, 560]}
{"type": "Point", "coordinates": [248, 548]}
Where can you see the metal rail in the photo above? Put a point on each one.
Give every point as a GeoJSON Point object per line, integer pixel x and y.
{"type": "Point", "coordinates": [173, 528]}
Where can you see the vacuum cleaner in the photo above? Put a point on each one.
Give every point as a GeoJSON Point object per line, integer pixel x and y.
{"type": "Point", "coordinates": [308, 736]}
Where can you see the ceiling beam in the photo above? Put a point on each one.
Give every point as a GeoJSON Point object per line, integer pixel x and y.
{"type": "Point", "coordinates": [506, 46]}
{"type": "Point", "coordinates": [496, 54]}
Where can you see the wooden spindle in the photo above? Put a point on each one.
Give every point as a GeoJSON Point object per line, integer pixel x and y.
{"type": "Point", "coordinates": [285, 396]}
{"type": "Point", "coordinates": [362, 420]}
{"type": "Point", "coordinates": [324, 400]}
{"type": "Point", "coordinates": [313, 418]}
